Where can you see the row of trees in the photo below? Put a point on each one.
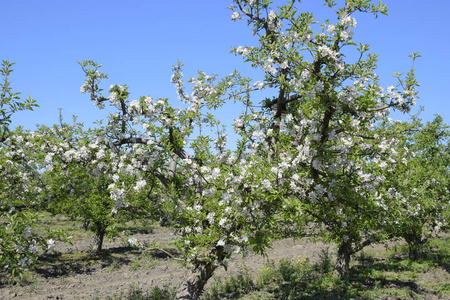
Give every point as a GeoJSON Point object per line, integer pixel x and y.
{"type": "Point", "coordinates": [20, 185]}
{"type": "Point", "coordinates": [320, 155]}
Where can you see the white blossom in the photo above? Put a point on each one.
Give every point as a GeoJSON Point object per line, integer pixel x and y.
{"type": "Point", "coordinates": [346, 20]}
{"type": "Point", "coordinates": [140, 185]}
{"type": "Point", "coordinates": [272, 16]}
{"type": "Point", "coordinates": [26, 232]}
{"type": "Point", "coordinates": [223, 221]}
{"type": "Point", "coordinates": [259, 84]}
{"type": "Point", "coordinates": [331, 29]}
{"type": "Point", "coordinates": [134, 242]}
{"type": "Point", "coordinates": [319, 86]}
{"type": "Point", "coordinates": [50, 244]}
{"type": "Point", "coordinates": [235, 16]}
{"type": "Point", "coordinates": [210, 217]}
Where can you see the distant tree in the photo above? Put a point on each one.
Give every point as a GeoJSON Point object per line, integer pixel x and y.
{"type": "Point", "coordinates": [10, 101]}
{"type": "Point", "coordinates": [90, 179]}
{"type": "Point", "coordinates": [20, 186]}
{"type": "Point", "coordinates": [418, 189]}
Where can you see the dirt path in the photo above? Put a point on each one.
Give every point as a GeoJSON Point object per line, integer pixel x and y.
{"type": "Point", "coordinates": [87, 279]}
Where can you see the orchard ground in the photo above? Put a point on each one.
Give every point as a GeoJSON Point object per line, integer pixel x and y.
{"type": "Point", "coordinates": [379, 272]}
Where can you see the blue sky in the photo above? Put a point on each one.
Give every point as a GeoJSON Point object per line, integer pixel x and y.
{"type": "Point", "coordinates": [139, 41]}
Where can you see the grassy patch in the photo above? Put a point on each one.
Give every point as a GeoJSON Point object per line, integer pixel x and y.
{"type": "Point", "coordinates": [68, 264]}
{"type": "Point", "coordinates": [387, 275]}
{"type": "Point", "coordinates": [146, 260]}
{"type": "Point", "coordinates": [233, 287]}
{"type": "Point", "coordinates": [438, 288]}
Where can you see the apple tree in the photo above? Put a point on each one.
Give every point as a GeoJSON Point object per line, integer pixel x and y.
{"type": "Point", "coordinates": [417, 190]}
{"type": "Point", "coordinates": [20, 186]}
{"type": "Point", "coordinates": [326, 106]}
{"type": "Point", "coordinates": [90, 179]}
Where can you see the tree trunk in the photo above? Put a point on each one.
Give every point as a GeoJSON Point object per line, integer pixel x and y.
{"type": "Point", "coordinates": [415, 245]}
{"type": "Point", "coordinates": [85, 225]}
{"type": "Point", "coordinates": [414, 252]}
{"type": "Point", "coordinates": [343, 259]}
{"type": "Point", "coordinates": [193, 287]}
{"type": "Point", "coordinates": [99, 237]}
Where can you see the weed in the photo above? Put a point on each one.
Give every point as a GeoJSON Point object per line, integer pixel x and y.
{"type": "Point", "coordinates": [145, 260]}
{"type": "Point", "coordinates": [325, 263]}
{"type": "Point", "coordinates": [136, 293]}
{"type": "Point", "coordinates": [286, 278]}
{"type": "Point", "coordinates": [441, 289]}
{"type": "Point", "coordinates": [232, 287]}
{"type": "Point", "coordinates": [135, 264]}
{"type": "Point", "coordinates": [113, 266]}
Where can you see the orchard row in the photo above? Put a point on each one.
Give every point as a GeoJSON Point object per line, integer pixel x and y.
{"type": "Point", "coordinates": [320, 155]}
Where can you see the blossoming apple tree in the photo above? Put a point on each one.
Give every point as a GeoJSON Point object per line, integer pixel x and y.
{"type": "Point", "coordinates": [418, 190]}
{"type": "Point", "coordinates": [90, 179]}
{"type": "Point", "coordinates": [323, 117]}
{"type": "Point", "coordinates": [20, 186]}
{"type": "Point", "coordinates": [214, 192]}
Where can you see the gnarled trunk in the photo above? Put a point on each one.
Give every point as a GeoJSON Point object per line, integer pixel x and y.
{"type": "Point", "coordinates": [343, 259]}
{"type": "Point", "coordinates": [193, 287]}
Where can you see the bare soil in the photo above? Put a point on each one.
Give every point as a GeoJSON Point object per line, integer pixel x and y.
{"type": "Point", "coordinates": [72, 273]}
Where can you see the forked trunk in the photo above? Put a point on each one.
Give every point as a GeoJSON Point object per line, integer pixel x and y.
{"type": "Point", "coordinates": [192, 288]}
